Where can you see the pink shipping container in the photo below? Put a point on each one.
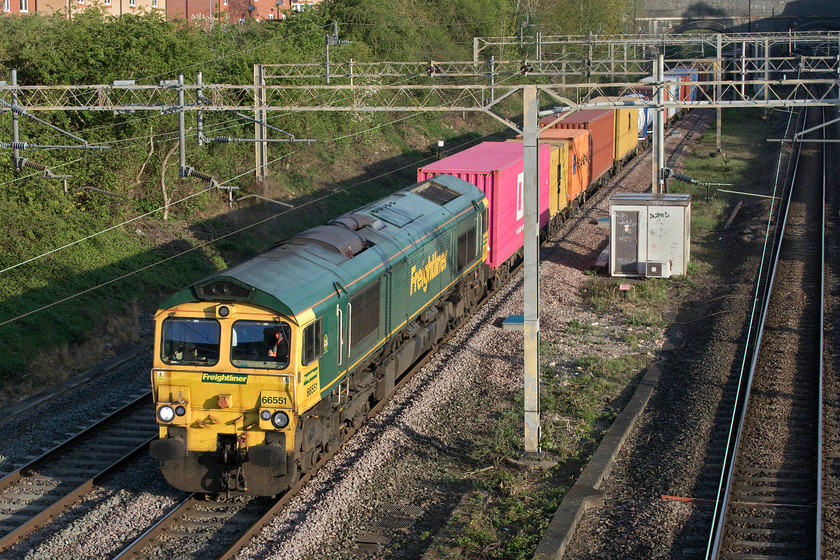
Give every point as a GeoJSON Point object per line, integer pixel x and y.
{"type": "Point", "coordinates": [601, 125]}
{"type": "Point", "coordinates": [498, 169]}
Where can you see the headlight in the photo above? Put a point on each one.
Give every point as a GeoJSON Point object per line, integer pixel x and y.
{"type": "Point", "coordinates": [280, 419]}
{"type": "Point", "coordinates": [180, 410]}
{"type": "Point", "coordinates": [165, 413]}
{"type": "Point", "coordinates": [265, 415]}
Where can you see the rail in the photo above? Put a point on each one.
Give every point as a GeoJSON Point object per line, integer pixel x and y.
{"type": "Point", "coordinates": [67, 471]}
{"type": "Point", "coordinates": [747, 483]}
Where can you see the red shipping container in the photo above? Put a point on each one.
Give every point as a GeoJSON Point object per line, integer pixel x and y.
{"type": "Point", "coordinates": [498, 169]}
{"type": "Point", "coordinates": [580, 170]}
{"type": "Point", "coordinates": [684, 77]}
{"type": "Point", "coordinates": [601, 125]}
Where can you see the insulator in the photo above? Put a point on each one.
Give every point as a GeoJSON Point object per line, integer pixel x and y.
{"type": "Point", "coordinates": [222, 139]}
{"type": "Point", "coordinates": [682, 177]}
{"type": "Point", "coordinates": [200, 175]}
{"type": "Point", "coordinates": [19, 146]}
{"type": "Point", "coordinates": [32, 165]}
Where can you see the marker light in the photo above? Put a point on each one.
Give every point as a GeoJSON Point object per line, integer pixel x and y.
{"type": "Point", "coordinates": [280, 419]}
{"type": "Point", "coordinates": [165, 413]}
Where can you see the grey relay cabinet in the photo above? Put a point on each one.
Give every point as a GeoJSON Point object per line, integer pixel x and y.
{"type": "Point", "coordinates": [650, 234]}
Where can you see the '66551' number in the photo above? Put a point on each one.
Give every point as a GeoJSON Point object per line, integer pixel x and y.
{"type": "Point", "coordinates": [273, 400]}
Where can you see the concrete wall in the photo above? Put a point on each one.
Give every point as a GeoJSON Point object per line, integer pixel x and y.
{"type": "Point", "coordinates": [738, 15]}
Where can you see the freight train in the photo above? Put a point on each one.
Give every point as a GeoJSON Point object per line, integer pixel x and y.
{"type": "Point", "coordinates": [263, 367]}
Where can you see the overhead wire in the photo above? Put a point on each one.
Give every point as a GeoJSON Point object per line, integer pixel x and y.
{"type": "Point", "coordinates": [229, 234]}
{"type": "Point", "coordinates": [98, 233]}
{"type": "Point", "coordinates": [126, 222]}
{"type": "Point", "coordinates": [193, 195]}
{"type": "Point", "coordinates": [221, 237]}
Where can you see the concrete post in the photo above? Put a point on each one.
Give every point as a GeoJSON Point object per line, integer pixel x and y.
{"type": "Point", "coordinates": [182, 139]}
{"type": "Point", "coordinates": [492, 78]}
{"type": "Point", "coordinates": [260, 115]}
{"type": "Point", "coordinates": [718, 91]}
{"type": "Point", "coordinates": [199, 115]}
{"type": "Point", "coordinates": [531, 272]}
{"type": "Point", "coordinates": [659, 118]}
{"type": "Point", "coordinates": [766, 73]}
{"type": "Point", "coordinates": [15, 123]}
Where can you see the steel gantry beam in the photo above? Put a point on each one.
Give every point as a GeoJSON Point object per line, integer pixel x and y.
{"type": "Point", "coordinates": [697, 44]}
{"type": "Point", "coordinates": [783, 92]}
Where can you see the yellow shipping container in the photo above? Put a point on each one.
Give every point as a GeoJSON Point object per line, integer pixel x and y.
{"type": "Point", "coordinates": [553, 171]}
{"type": "Point", "coordinates": [561, 193]}
{"type": "Point", "coordinates": [626, 129]}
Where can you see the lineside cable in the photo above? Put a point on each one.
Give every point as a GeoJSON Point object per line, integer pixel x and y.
{"type": "Point", "coordinates": [201, 245]}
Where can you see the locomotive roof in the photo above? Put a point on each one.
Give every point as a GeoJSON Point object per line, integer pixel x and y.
{"type": "Point", "coordinates": [303, 271]}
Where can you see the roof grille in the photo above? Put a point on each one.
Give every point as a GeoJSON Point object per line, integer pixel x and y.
{"type": "Point", "coordinates": [435, 192]}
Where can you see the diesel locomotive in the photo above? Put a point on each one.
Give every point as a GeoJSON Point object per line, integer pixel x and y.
{"type": "Point", "coordinates": [262, 367]}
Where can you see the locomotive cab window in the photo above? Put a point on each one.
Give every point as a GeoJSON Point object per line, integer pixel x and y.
{"type": "Point", "coordinates": [192, 342]}
{"type": "Point", "coordinates": [260, 344]}
{"type": "Point", "coordinates": [466, 248]}
{"type": "Point", "coordinates": [313, 346]}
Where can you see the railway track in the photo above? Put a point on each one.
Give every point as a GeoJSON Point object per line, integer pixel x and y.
{"type": "Point", "coordinates": [200, 528]}
{"type": "Point", "coordinates": [197, 527]}
{"type": "Point", "coordinates": [770, 490]}
{"type": "Point", "coordinates": [831, 375]}
{"type": "Point", "coordinates": [43, 488]}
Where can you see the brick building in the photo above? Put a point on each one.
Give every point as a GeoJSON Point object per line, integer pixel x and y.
{"type": "Point", "coordinates": [109, 7]}
{"type": "Point", "coordinates": [234, 10]}
{"type": "Point", "coordinates": [193, 10]}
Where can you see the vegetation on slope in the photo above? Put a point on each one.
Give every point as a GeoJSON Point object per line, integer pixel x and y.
{"type": "Point", "coordinates": [81, 269]}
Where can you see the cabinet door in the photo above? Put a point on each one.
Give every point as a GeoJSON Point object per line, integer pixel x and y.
{"type": "Point", "coordinates": [625, 244]}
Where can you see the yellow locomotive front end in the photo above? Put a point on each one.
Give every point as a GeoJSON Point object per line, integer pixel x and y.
{"type": "Point", "coordinates": [225, 398]}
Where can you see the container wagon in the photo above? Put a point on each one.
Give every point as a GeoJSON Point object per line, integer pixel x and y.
{"type": "Point", "coordinates": [578, 169]}
{"type": "Point", "coordinates": [558, 181]}
{"type": "Point", "coordinates": [601, 124]}
{"type": "Point", "coordinates": [498, 170]}
{"type": "Point", "coordinates": [626, 131]}
{"type": "Point", "coordinates": [645, 117]}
